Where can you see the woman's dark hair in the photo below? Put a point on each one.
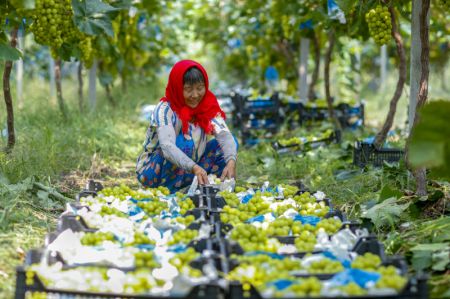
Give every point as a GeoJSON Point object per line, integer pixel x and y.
{"type": "Point", "coordinates": [192, 76]}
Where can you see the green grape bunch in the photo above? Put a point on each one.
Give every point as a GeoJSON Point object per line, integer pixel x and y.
{"type": "Point", "coordinates": [379, 21]}
{"type": "Point", "coordinates": [53, 23]}
{"type": "Point", "coordinates": [183, 237]}
{"type": "Point", "coordinates": [186, 205]}
{"type": "Point", "coordinates": [141, 238]}
{"type": "Point", "coordinates": [145, 259]}
{"type": "Point", "coordinates": [153, 208]}
{"type": "Point", "coordinates": [305, 242]}
{"type": "Point", "coordinates": [325, 266]}
{"type": "Point", "coordinates": [53, 26]}
{"type": "Point", "coordinates": [97, 238]}
{"type": "Point", "coordinates": [367, 262]}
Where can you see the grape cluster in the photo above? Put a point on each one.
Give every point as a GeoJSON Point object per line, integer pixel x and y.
{"type": "Point", "coordinates": [182, 259]}
{"type": "Point", "coordinates": [353, 289]}
{"type": "Point", "coordinates": [319, 209]}
{"type": "Point", "coordinates": [310, 287]}
{"type": "Point", "coordinates": [329, 225]}
{"type": "Point", "coordinates": [258, 277]}
{"type": "Point", "coordinates": [243, 212]}
{"type": "Point", "coordinates": [185, 220]}
{"type": "Point", "coordinates": [289, 190]}
{"type": "Point", "coordinates": [140, 281]}
{"type": "Point", "coordinates": [266, 261]}
{"type": "Point", "coordinates": [304, 198]}
{"type": "Point", "coordinates": [390, 278]}
{"type": "Point", "coordinates": [154, 207]}
{"type": "Point", "coordinates": [280, 227]}
{"type": "Point", "coordinates": [145, 259]}
{"type": "Point", "coordinates": [185, 205]}
{"type": "Point", "coordinates": [305, 242]}
{"type": "Point", "coordinates": [97, 238]}
{"type": "Point", "coordinates": [141, 238]}
{"type": "Point", "coordinates": [306, 205]}
{"type": "Point", "coordinates": [87, 52]}
{"type": "Point", "coordinates": [53, 23]}
{"type": "Point", "coordinates": [252, 238]}
{"type": "Point", "coordinates": [297, 228]}
{"type": "Point", "coordinates": [367, 262]}
{"type": "Point", "coordinates": [379, 20]}
{"type": "Point", "coordinates": [238, 189]}
{"type": "Point", "coordinates": [231, 198]}
{"type": "Point", "coordinates": [183, 236]}
{"type": "Point", "coordinates": [325, 266]}
{"type": "Point", "coordinates": [283, 208]}
{"type": "Point", "coordinates": [290, 141]}
{"type": "Point", "coordinates": [122, 192]}
{"type": "Point", "coordinates": [107, 210]}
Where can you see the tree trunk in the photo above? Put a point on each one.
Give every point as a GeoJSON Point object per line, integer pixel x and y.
{"type": "Point", "coordinates": [7, 95]}
{"type": "Point", "coordinates": [80, 87]}
{"type": "Point", "coordinates": [19, 70]}
{"type": "Point", "coordinates": [315, 74]}
{"type": "Point", "coordinates": [283, 48]}
{"type": "Point", "coordinates": [331, 40]}
{"type": "Point", "coordinates": [303, 69]}
{"type": "Point", "coordinates": [124, 82]}
{"type": "Point", "coordinates": [381, 136]}
{"type": "Point", "coordinates": [93, 85]}
{"type": "Point", "coordinates": [415, 64]}
{"type": "Point", "coordinates": [51, 67]}
{"type": "Point", "coordinates": [59, 94]}
{"type": "Point", "coordinates": [109, 95]}
{"type": "Point", "coordinates": [383, 66]}
{"type": "Point", "coordinates": [420, 173]}
{"type": "Point", "coordinates": [443, 79]}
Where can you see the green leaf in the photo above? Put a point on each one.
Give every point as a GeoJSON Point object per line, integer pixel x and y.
{"type": "Point", "coordinates": [421, 260]}
{"type": "Point", "coordinates": [430, 247]}
{"type": "Point", "coordinates": [343, 175]}
{"type": "Point", "coordinates": [9, 53]}
{"type": "Point", "coordinates": [92, 17]}
{"type": "Point", "coordinates": [441, 260]}
{"type": "Point", "coordinates": [430, 144]}
{"type": "Point", "coordinates": [388, 192]}
{"type": "Point", "coordinates": [387, 212]}
{"type": "Point", "coordinates": [105, 78]}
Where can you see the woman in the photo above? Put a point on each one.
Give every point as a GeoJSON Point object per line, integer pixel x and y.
{"type": "Point", "coordinates": [176, 147]}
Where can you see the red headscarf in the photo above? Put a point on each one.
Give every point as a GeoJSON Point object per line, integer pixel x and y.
{"type": "Point", "coordinates": [207, 109]}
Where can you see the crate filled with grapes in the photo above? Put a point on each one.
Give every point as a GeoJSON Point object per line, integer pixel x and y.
{"type": "Point", "coordinates": [302, 144]}
{"type": "Point", "coordinates": [323, 276]}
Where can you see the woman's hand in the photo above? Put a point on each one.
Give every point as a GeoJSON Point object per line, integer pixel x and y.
{"type": "Point", "coordinates": [201, 175]}
{"type": "Point", "coordinates": [229, 171]}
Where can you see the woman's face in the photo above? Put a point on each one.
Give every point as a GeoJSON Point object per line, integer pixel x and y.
{"type": "Point", "coordinates": [193, 93]}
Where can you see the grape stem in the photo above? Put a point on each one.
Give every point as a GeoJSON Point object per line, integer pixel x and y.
{"type": "Point", "coordinates": [380, 138]}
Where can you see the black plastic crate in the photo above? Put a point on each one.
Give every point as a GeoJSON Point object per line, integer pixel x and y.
{"type": "Point", "coordinates": [416, 288]}
{"type": "Point", "coordinates": [208, 199]}
{"type": "Point", "coordinates": [344, 113]}
{"type": "Point", "coordinates": [92, 187]}
{"type": "Point", "coordinates": [73, 222]}
{"type": "Point", "coordinates": [218, 229]}
{"type": "Point", "coordinates": [260, 114]}
{"type": "Point", "coordinates": [221, 246]}
{"type": "Point", "coordinates": [207, 291]}
{"type": "Point", "coordinates": [367, 154]}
